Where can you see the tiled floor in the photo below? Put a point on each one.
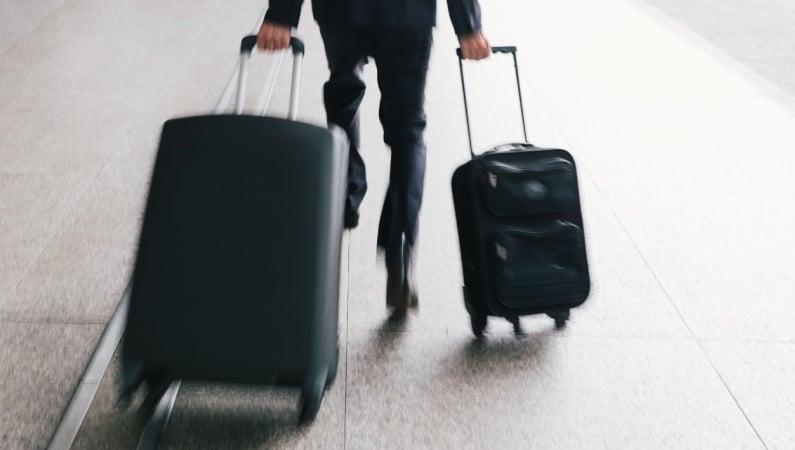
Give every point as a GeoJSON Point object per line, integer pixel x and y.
{"type": "Point", "coordinates": [686, 163]}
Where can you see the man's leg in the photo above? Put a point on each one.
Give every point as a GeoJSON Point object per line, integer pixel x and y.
{"type": "Point", "coordinates": [342, 95]}
{"type": "Point", "coordinates": [402, 62]}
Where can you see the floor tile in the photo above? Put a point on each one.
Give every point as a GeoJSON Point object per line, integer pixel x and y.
{"type": "Point", "coordinates": [19, 18]}
{"type": "Point", "coordinates": [73, 144]}
{"type": "Point", "coordinates": [32, 208]}
{"type": "Point", "coordinates": [431, 390]}
{"type": "Point", "coordinates": [723, 261]}
{"type": "Point", "coordinates": [81, 273]}
{"type": "Point", "coordinates": [40, 365]}
{"type": "Point", "coordinates": [692, 153]}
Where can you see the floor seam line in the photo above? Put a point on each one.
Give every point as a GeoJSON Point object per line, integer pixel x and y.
{"type": "Point", "coordinates": [728, 389]}
{"type": "Point", "coordinates": [747, 341]}
{"type": "Point", "coordinates": [77, 408]}
{"type": "Point", "coordinates": [347, 340]}
{"type": "Point", "coordinates": [52, 322]}
{"type": "Point", "coordinates": [681, 317]}
{"type": "Point", "coordinates": [647, 264]}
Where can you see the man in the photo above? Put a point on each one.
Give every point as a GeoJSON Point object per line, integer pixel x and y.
{"type": "Point", "coordinates": [397, 34]}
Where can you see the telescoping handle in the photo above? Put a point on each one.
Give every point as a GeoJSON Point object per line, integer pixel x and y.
{"type": "Point", "coordinates": [246, 47]}
{"type": "Point", "coordinates": [512, 51]}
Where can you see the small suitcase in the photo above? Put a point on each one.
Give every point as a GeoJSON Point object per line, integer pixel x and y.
{"type": "Point", "coordinates": [520, 229]}
{"type": "Point", "coordinates": [237, 273]}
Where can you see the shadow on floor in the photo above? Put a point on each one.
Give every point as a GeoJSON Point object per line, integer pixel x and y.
{"type": "Point", "coordinates": [227, 416]}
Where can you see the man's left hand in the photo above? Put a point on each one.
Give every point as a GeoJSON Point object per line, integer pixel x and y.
{"type": "Point", "coordinates": [474, 46]}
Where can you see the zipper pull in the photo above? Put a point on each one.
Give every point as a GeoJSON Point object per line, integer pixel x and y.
{"type": "Point", "coordinates": [492, 180]}
{"type": "Point", "coordinates": [502, 252]}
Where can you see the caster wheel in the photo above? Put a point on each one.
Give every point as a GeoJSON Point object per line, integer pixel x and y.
{"type": "Point", "coordinates": [560, 318]}
{"type": "Point", "coordinates": [309, 410]}
{"type": "Point", "coordinates": [158, 385]}
{"type": "Point", "coordinates": [478, 324]}
{"type": "Point", "coordinates": [332, 369]}
{"type": "Point", "coordinates": [517, 326]}
{"type": "Point", "coordinates": [133, 374]}
{"type": "Point", "coordinates": [311, 397]}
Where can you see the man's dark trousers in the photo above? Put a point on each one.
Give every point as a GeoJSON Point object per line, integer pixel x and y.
{"type": "Point", "coordinates": [401, 59]}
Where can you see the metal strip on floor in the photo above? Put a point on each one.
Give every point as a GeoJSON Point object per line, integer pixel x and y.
{"type": "Point", "coordinates": [89, 384]}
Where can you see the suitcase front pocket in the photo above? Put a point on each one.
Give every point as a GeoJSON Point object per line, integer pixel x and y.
{"type": "Point", "coordinates": [539, 266]}
{"type": "Point", "coordinates": [536, 187]}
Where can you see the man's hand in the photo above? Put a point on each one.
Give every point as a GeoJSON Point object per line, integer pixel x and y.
{"type": "Point", "coordinates": [273, 36]}
{"type": "Point", "coordinates": [474, 46]}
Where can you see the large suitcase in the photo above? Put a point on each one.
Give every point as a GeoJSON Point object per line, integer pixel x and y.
{"type": "Point", "coordinates": [237, 272]}
{"type": "Point", "coordinates": [520, 229]}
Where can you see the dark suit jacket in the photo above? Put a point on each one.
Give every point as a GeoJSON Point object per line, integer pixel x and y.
{"type": "Point", "coordinates": [414, 15]}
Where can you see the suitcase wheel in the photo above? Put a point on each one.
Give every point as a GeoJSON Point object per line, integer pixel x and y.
{"type": "Point", "coordinates": [560, 318]}
{"type": "Point", "coordinates": [478, 323]}
{"type": "Point", "coordinates": [158, 385]}
{"type": "Point", "coordinates": [311, 397]}
{"type": "Point", "coordinates": [133, 374]}
{"type": "Point", "coordinates": [517, 326]}
{"type": "Point", "coordinates": [310, 405]}
{"type": "Point", "coordinates": [477, 319]}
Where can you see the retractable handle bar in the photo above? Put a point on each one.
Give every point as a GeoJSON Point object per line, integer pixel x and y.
{"type": "Point", "coordinates": [512, 51]}
{"type": "Point", "coordinates": [247, 45]}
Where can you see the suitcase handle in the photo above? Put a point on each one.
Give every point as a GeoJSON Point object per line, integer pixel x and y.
{"type": "Point", "coordinates": [509, 49]}
{"type": "Point", "coordinates": [512, 51]}
{"type": "Point", "coordinates": [247, 45]}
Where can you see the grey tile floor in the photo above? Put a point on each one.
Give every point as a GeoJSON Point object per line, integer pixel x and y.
{"type": "Point", "coordinates": [686, 176]}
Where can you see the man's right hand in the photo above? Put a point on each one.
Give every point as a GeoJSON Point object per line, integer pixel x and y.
{"type": "Point", "coordinates": [273, 36]}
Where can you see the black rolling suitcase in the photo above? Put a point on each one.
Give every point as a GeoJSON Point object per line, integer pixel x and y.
{"type": "Point", "coordinates": [520, 230]}
{"type": "Point", "coordinates": [237, 273]}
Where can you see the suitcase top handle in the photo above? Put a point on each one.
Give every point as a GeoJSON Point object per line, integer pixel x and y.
{"type": "Point", "coordinates": [512, 51]}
